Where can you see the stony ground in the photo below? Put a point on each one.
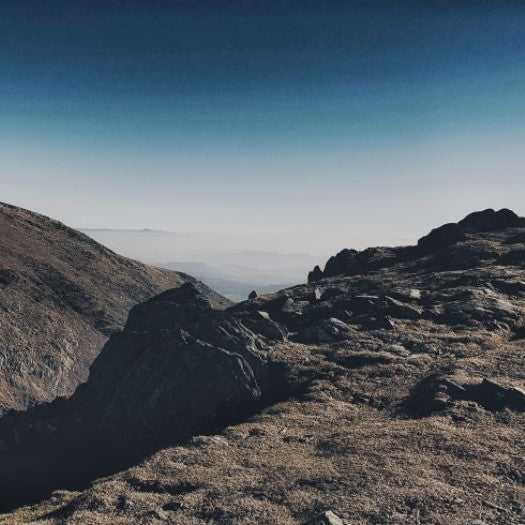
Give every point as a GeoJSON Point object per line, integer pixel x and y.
{"type": "Point", "coordinates": [409, 408]}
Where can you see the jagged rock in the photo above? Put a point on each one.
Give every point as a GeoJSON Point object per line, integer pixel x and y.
{"type": "Point", "coordinates": [478, 305]}
{"type": "Point", "coordinates": [490, 220]}
{"type": "Point", "coordinates": [181, 366]}
{"type": "Point", "coordinates": [252, 295]}
{"type": "Point", "coordinates": [315, 275]}
{"type": "Point", "coordinates": [402, 310]}
{"type": "Point", "coordinates": [325, 331]}
{"type": "Point", "coordinates": [344, 262]}
{"type": "Point", "coordinates": [441, 237]}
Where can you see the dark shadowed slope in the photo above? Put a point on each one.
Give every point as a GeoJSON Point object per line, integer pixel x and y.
{"type": "Point", "coordinates": [61, 295]}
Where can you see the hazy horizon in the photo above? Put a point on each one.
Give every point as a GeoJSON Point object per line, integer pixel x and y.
{"type": "Point", "coordinates": [296, 126]}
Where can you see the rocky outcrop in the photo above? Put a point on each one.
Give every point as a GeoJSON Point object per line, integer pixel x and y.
{"type": "Point", "coordinates": [61, 296]}
{"type": "Point", "coordinates": [439, 392]}
{"type": "Point", "coordinates": [441, 237]}
{"type": "Point", "coordinates": [182, 366]}
{"type": "Point", "coordinates": [440, 243]}
{"type": "Point", "coordinates": [490, 220]}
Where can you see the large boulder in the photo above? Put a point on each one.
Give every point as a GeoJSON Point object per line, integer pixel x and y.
{"type": "Point", "coordinates": [441, 237]}
{"type": "Point", "coordinates": [181, 366]}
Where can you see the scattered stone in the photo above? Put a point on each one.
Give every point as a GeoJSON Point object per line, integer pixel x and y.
{"type": "Point", "coordinates": [402, 310]}
{"type": "Point", "coordinates": [378, 323]}
{"type": "Point", "coordinates": [325, 331]}
{"type": "Point", "coordinates": [316, 294]}
{"type": "Point", "coordinates": [326, 518]}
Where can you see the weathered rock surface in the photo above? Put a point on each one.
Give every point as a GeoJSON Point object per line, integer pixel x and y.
{"type": "Point", "coordinates": [61, 295]}
{"type": "Point", "coordinates": [182, 366]}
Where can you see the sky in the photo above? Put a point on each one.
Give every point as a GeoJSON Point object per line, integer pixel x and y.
{"type": "Point", "coordinates": [297, 126]}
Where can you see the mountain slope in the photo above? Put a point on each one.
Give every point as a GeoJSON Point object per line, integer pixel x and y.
{"type": "Point", "coordinates": [396, 384]}
{"type": "Point", "coordinates": [61, 295]}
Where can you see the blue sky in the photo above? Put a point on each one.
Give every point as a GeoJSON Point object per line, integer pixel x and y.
{"type": "Point", "coordinates": [315, 122]}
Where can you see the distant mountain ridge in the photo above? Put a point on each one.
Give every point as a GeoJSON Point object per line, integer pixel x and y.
{"type": "Point", "coordinates": [61, 295]}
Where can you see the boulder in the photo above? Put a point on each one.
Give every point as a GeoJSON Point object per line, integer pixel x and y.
{"type": "Point", "coordinates": [252, 295]}
{"type": "Point", "coordinates": [402, 310]}
{"type": "Point", "coordinates": [381, 322]}
{"type": "Point", "coordinates": [325, 331]}
{"type": "Point", "coordinates": [441, 237]}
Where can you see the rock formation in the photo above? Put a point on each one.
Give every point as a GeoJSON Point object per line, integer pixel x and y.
{"type": "Point", "coordinates": [61, 295]}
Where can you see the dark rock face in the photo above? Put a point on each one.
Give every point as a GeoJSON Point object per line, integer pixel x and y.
{"type": "Point", "coordinates": [437, 242]}
{"type": "Point", "coordinates": [252, 295]}
{"type": "Point", "coordinates": [180, 367]}
{"type": "Point", "coordinates": [441, 237]}
{"type": "Point", "coordinates": [345, 262]}
{"type": "Point", "coordinates": [490, 220]}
